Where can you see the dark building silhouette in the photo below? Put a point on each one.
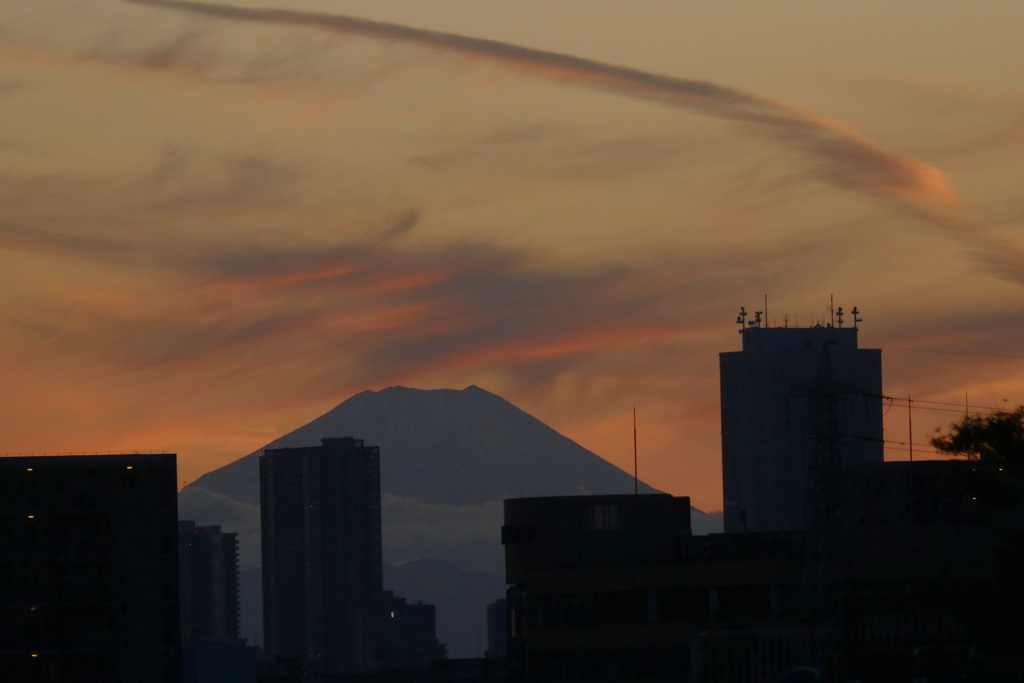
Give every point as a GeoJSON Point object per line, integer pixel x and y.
{"type": "Point", "coordinates": [580, 531]}
{"type": "Point", "coordinates": [212, 651]}
{"type": "Point", "coordinates": [497, 630]}
{"type": "Point", "coordinates": [769, 390]}
{"type": "Point", "coordinates": [869, 571]}
{"type": "Point", "coordinates": [439, 671]}
{"type": "Point", "coordinates": [208, 561]}
{"type": "Point", "coordinates": [89, 569]}
{"type": "Point", "coordinates": [404, 634]}
{"type": "Point", "coordinates": [320, 520]}
{"type": "Point", "coordinates": [220, 661]}
{"type": "Point", "coordinates": [930, 558]}
{"type": "Point", "coordinates": [922, 578]}
{"type": "Point", "coordinates": [324, 604]}
{"type": "Point", "coordinates": [577, 606]}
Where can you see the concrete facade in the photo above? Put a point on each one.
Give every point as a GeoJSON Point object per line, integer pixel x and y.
{"type": "Point", "coordinates": [769, 427]}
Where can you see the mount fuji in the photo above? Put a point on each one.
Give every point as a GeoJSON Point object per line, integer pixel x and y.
{"type": "Point", "coordinates": [448, 460]}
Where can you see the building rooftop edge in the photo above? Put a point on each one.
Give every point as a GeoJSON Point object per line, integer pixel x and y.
{"type": "Point", "coordinates": [19, 460]}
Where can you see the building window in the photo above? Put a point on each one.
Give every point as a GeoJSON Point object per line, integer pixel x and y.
{"type": "Point", "coordinates": [604, 517]}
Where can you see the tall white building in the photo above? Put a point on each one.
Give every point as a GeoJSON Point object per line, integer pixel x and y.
{"type": "Point", "coordinates": [773, 393]}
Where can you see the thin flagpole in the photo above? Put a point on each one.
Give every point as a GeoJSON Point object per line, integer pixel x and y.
{"type": "Point", "coordinates": [636, 471]}
{"type": "Point", "coordinates": [910, 428]}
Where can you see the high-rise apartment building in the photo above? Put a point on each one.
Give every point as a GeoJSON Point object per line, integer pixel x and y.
{"type": "Point", "coordinates": [320, 519]}
{"type": "Point", "coordinates": [89, 569]}
{"type": "Point", "coordinates": [404, 635]}
{"type": "Point", "coordinates": [787, 395]}
{"type": "Point", "coordinates": [497, 630]}
{"type": "Point", "coordinates": [208, 561]}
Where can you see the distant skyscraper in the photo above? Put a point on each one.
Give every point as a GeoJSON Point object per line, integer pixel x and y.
{"type": "Point", "coordinates": [89, 569]}
{"type": "Point", "coordinates": [769, 420]}
{"type": "Point", "coordinates": [320, 517]}
{"type": "Point", "coordinates": [497, 630]}
{"type": "Point", "coordinates": [404, 635]}
{"type": "Point", "coordinates": [208, 561]}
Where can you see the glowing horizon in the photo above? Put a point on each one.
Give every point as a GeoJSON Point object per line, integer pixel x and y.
{"type": "Point", "coordinates": [218, 222]}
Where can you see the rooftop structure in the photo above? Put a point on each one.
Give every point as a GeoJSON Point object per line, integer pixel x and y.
{"type": "Point", "coordinates": [924, 565]}
{"type": "Point", "coordinates": [789, 393]}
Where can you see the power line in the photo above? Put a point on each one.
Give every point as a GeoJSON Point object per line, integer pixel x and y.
{"type": "Point", "coordinates": [939, 403]}
{"type": "Point", "coordinates": [944, 410]}
{"type": "Point", "coordinates": [907, 450]}
{"type": "Point", "coordinates": [943, 403]}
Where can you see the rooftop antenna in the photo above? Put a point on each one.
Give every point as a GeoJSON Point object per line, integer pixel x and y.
{"type": "Point", "coordinates": [757, 318]}
{"type": "Point", "coordinates": [741, 319]}
{"type": "Point", "coordinates": [839, 316]}
{"type": "Point", "coordinates": [636, 473]}
{"type": "Point", "coordinates": [855, 318]}
{"type": "Point", "coordinates": [766, 318]}
{"type": "Point", "coordinates": [785, 320]}
{"type": "Point", "coordinates": [910, 427]}
{"type": "Point", "coordinates": [831, 311]}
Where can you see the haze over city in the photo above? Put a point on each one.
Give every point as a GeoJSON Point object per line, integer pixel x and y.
{"type": "Point", "coordinates": [218, 222]}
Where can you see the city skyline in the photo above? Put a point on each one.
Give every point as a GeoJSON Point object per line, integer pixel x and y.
{"type": "Point", "coordinates": [215, 230]}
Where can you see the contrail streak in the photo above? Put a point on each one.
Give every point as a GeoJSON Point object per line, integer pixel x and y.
{"type": "Point", "coordinates": [842, 157]}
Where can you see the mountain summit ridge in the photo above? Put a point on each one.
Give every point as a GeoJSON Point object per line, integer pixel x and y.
{"type": "Point", "coordinates": [445, 446]}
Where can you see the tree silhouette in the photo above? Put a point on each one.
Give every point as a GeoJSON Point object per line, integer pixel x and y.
{"type": "Point", "coordinates": [995, 437]}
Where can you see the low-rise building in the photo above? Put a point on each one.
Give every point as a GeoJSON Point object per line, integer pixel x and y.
{"type": "Point", "coordinates": [917, 569]}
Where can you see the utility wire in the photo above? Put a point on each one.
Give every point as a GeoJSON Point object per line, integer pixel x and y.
{"type": "Point", "coordinates": [942, 403]}
{"type": "Point", "coordinates": [943, 410]}
{"type": "Point", "coordinates": [907, 450]}
{"type": "Point", "coordinates": [903, 404]}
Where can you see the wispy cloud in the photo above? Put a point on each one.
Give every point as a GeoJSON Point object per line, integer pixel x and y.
{"type": "Point", "coordinates": [229, 240]}
{"type": "Point", "coordinates": [841, 156]}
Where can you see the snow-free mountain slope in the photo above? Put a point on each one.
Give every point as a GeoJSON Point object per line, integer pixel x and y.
{"type": "Point", "coordinates": [446, 447]}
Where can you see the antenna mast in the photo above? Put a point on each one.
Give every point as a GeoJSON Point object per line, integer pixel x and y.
{"type": "Point", "coordinates": [636, 476]}
{"type": "Point", "coordinates": [741, 320]}
{"type": "Point", "coordinates": [910, 428]}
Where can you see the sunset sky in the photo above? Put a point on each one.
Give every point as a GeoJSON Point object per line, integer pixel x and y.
{"type": "Point", "coordinates": [219, 221]}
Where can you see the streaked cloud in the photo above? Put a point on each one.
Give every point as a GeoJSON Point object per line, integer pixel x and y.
{"type": "Point", "coordinates": [840, 154]}
{"type": "Point", "coordinates": [212, 231]}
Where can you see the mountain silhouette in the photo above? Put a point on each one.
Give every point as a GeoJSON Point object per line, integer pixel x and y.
{"type": "Point", "coordinates": [448, 460]}
{"type": "Point", "coordinates": [445, 447]}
